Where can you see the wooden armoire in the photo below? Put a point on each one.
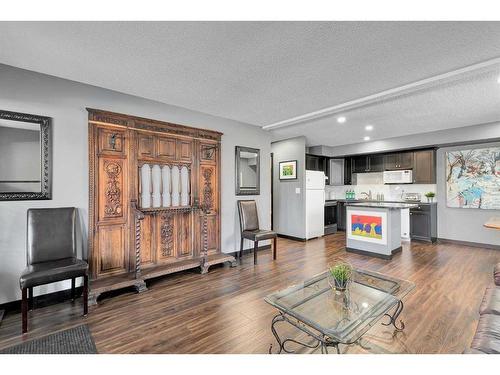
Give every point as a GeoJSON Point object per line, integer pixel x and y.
{"type": "Point", "coordinates": [154, 200]}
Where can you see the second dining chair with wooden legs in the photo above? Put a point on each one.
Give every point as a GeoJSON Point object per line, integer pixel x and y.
{"type": "Point", "coordinates": [249, 225]}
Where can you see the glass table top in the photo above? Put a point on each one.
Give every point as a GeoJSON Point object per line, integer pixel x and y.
{"type": "Point", "coordinates": [342, 316]}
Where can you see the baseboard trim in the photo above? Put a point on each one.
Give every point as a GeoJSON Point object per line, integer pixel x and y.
{"type": "Point", "coordinates": [375, 255]}
{"type": "Point", "coordinates": [291, 237]}
{"type": "Point", "coordinates": [42, 300]}
{"type": "Point", "coordinates": [468, 243]}
{"type": "Point", "coordinates": [250, 250]}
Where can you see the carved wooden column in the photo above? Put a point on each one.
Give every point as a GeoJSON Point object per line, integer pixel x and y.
{"type": "Point", "coordinates": [138, 215]}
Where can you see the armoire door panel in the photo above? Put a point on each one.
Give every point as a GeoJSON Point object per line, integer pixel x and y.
{"type": "Point", "coordinates": [184, 227]}
{"type": "Point", "coordinates": [208, 189]}
{"type": "Point", "coordinates": [111, 141]}
{"type": "Point", "coordinates": [112, 256]}
{"type": "Point", "coordinates": [166, 148]}
{"type": "Point", "coordinates": [165, 238]}
{"type": "Point", "coordinates": [208, 153]}
{"type": "Point", "coordinates": [185, 150]}
{"type": "Point", "coordinates": [147, 239]}
{"type": "Point", "coordinates": [146, 146]}
{"type": "Point", "coordinates": [112, 194]}
{"type": "Point", "coordinates": [212, 233]}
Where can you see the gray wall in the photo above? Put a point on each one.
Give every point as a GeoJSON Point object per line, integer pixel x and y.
{"type": "Point", "coordinates": [65, 102]}
{"type": "Point", "coordinates": [289, 207]}
{"type": "Point", "coordinates": [460, 223]}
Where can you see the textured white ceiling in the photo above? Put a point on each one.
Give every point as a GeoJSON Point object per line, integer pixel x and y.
{"type": "Point", "coordinates": [470, 101]}
{"type": "Point", "coordinates": [264, 72]}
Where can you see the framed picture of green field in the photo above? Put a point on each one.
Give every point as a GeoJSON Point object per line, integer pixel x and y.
{"type": "Point", "coordinates": [288, 170]}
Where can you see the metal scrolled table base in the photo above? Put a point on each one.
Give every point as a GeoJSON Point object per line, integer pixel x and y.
{"type": "Point", "coordinates": [321, 341]}
{"type": "Point", "coordinates": [324, 341]}
{"type": "Point", "coordinates": [394, 317]}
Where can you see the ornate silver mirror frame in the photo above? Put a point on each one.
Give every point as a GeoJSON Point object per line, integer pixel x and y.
{"type": "Point", "coordinates": [44, 192]}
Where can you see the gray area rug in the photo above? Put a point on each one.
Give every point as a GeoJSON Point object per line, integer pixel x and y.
{"type": "Point", "coordinates": [77, 340]}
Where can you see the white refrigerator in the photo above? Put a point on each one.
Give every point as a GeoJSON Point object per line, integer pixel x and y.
{"type": "Point", "coordinates": [315, 204]}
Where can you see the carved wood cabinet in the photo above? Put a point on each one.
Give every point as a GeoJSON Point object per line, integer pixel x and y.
{"type": "Point", "coordinates": [154, 204]}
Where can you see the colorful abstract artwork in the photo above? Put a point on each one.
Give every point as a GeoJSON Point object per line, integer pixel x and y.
{"type": "Point", "coordinates": [473, 178]}
{"type": "Point", "coordinates": [366, 226]}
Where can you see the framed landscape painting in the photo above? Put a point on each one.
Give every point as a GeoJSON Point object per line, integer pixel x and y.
{"type": "Point", "coordinates": [288, 170]}
{"type": "Point", "coordinates": [473, 178]}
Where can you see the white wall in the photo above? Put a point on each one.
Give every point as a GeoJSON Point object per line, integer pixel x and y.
{"type": "Point", "coordinates": [289, 213]}
{"type": "Point", "coordinates": [65, 102]}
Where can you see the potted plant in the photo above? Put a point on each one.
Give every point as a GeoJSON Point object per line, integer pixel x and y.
{"type": "Point", "coordinates": [339, 276]}
{"type": "Point", "coordinates": [430, 196]}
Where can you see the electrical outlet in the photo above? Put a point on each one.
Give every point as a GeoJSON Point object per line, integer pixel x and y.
{"type": "Point", "coordinates": [297, 190]}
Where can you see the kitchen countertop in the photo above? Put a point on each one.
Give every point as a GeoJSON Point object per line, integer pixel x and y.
{"type": "Point", "coordinates": [375, 201]}
{"type": "Point", "coordinates": [389, 205]}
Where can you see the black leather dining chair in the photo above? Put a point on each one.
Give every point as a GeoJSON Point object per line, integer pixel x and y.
{"type": "Point", "coordinates": [249, 225]}
{"type": "Point", "coordinates": [51, 252]}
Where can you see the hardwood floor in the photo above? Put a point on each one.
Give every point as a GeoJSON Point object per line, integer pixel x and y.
{"type": "Point", "coordinates": [224, 311]}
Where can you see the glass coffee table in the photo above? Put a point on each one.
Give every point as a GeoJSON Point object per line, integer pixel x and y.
{"type": "Point", "coordinates": [333, 317]}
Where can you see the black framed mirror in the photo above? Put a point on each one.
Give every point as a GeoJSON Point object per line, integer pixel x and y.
{"type": "Point", "coordinates": [25, 149]}
{"type": "Point", "coordinates": [247, 171]}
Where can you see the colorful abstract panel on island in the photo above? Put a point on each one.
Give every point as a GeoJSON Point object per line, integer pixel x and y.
{"type": "Point", "coordinates": [366, 226]}
{"type": "Point", "coordinates": [473, 178]}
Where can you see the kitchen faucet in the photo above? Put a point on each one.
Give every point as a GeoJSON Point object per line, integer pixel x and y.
{"type": "Point", "coordinates": [368, 195]}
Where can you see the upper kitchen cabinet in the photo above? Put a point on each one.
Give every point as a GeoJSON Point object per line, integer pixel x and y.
{"type": "Point", "coordinates": [368, 163]}
{"type": "Point", "coordinates": [347, 171]}
{"type": "Point", "coordinates": [315, 163]}
{"type": "Point", "coordinates": [424, 167]}
{"type": "Point", "coordinates": [400, 160]}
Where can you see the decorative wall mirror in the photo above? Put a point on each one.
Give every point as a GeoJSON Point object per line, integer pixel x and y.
{"type": "Point", "coordinates": [247, 171]}
{"type": "Point", "coordinates": [25, 171]}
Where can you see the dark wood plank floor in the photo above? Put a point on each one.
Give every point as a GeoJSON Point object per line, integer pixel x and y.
{"type": "Point", "coordinates": [224, 312]}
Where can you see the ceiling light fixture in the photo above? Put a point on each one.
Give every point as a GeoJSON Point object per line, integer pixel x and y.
{"type": "Point", "coordinates": [498, 79]}
{"type": "Point", "coordinates": [366, 138]}
{"type": "Point", "coordinates": [369, 127]}
{"type": "Point", "coordinates": [341, 119]}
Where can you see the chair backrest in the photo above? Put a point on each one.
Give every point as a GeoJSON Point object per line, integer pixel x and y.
{"type": "Point", "coordinates": [51, 234]}
{"type": "Point", "coordinates": [249, 219]}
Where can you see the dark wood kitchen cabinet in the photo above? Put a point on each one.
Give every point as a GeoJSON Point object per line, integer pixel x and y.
{"type": "Point", "coordinates": [315, 163]}
{"type": "Point", "coordinates": [399, 160]}
{"type": "Point", "coordinates": [341, 216]}
{"type": "Point", "coordinates": [424, 167]}
{"type": "Point", "coordinates": [368, 163]}
{"type": "Point", "coordinates": [347, 171]}
{"type": "Point", "coordinates": [423, 222]}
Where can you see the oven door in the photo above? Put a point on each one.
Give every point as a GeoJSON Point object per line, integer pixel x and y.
{"type": "Point", "coordinates": [330, 217]}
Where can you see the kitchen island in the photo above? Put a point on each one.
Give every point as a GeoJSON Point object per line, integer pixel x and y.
{"type": "Point", "coordinates": [374, 228]}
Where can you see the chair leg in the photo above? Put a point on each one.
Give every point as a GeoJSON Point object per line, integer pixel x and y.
{"type": "Point", "coordinates": [24, 310]}
{"type": "Point", "coordinates": [73, 289]}
{"type": "Point", "coordinates": [85, 295]}
{"type": "Point", "coordinates": [275, 249]}
{"type": "Point", "coordinates": [255, 247]}
{"type": "Point", "coordinates": [241, 250]}
{"type": "Point", "coordinates": [30, 299]}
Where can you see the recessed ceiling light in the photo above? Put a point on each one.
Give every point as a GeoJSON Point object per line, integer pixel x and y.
{"type": "Point", "coordinates": [366, 138]}
{"type": "Point", "coordinates": [341, 119]}
{"type": "Point", "coordinates": [498, 79]}
{"type": "Point", "coordinates": [369, 127]}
